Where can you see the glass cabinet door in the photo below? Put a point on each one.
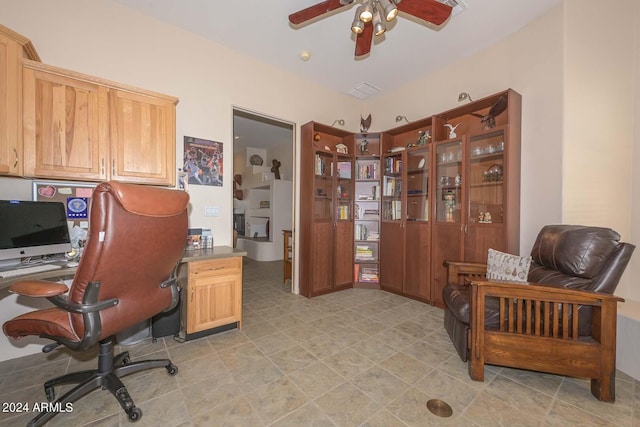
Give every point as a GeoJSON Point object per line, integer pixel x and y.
{"type": "Point", "coordinates": [418, 185]}
{"type": "Point", "coordinates": [449, 182]}
{"type": "Point", "coordinates": [486, 184]}
{"type": "Point", "coordinates": [323, 186]}
{"type": "Point", "coordinates": [344, 188]}
{"type": "Point", "coordinates": [392, 188]}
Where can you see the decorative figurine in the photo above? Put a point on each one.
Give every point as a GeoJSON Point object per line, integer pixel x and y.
{"type": "Point", "coordinates": [425, 137]}
{"type": "Point", "coordinates": [365, 123]}
{"type": "Point", "coordinates": [449, 206]}
{"type": "Point", "coordinates": [452, 129]}
{"type": "Point", "coordinates": [275, 168]}
{"type": "Point", "coordinates": [237, 181]}
{"type": "Point", "coordinates": [489, 119]}
{"type": "Point", "coordinates": [364, 146]}
{"type": "Point", "coordinates": [342, 149]}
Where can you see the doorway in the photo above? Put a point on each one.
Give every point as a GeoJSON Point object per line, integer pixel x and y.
{"type": "Point", "coordinates": [264, 174]}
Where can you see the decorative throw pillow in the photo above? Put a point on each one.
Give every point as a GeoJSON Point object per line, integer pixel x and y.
{"type": "Point", "coordinates": [502, 266]}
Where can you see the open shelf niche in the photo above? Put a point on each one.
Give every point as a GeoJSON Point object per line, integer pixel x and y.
{"type": "Point", "coordinates": [266, 205]}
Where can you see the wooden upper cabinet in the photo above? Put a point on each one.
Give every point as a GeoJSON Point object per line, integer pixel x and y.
{"type": "Point", "coordinates": [13, 48]}
{"type": "Point", "coordinates": [65, 125]}
{"type": "Point", "coordinates": [142, 135]}
{"type": "Point", "coordinates": [80, 127]}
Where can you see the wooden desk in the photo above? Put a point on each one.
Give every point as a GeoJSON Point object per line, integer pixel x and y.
{"type": "Point", "coordinates": [52, 275]}
{"type": "Point", "coordinates": [287, 256]}
{"type": "Point", "coordinates": [211, 289]}
{"type": "Point", "coordinates": [68, 273]}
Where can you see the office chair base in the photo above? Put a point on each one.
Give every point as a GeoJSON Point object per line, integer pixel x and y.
{"type": "Point", "coordinates": [107, 376]}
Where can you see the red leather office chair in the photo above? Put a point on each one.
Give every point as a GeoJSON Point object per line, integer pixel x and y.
{"type": "Point", "coordinates": [126, 275]}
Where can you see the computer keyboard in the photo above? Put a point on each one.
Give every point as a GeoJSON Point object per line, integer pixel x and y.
{"type": "Point", "coordinates": [28, 270]}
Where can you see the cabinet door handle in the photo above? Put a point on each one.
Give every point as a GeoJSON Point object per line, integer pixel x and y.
{"type": "Point", "coordinates": [192, 291]}
{"type": "Point", "coordinates": [15, 165]}
{"type": "Point", "coordinates": [113, 167]}
{"type": "Point", "coordinates": [102, 166]}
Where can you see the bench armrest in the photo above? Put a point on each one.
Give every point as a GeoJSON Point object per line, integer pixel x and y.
{"type": "Point", "coordinates": [460, 271]}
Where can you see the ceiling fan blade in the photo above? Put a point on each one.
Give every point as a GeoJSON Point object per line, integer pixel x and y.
{"type": "Point", "coordinates": [364, 40]}
{"type": "Point", "coordinates": [427, 10]}
{"type": "Point", "coordinates": [317, 10]}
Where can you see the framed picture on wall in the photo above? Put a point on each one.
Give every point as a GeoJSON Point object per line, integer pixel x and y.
{"type": "Point", "coordinates": [203, 161]}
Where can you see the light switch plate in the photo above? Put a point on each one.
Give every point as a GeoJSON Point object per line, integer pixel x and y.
{"type": "Point", "coordinates": [212, 211]}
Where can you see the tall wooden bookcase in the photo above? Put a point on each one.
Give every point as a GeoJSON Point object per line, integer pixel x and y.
{"type": "Point", "coordinates": [366, 211]}
{"type": "Point", "coordinates": [405, 225]}
{"type": "Point", "coordinates": [326, 209]}
{"type": "Point", "coordinates": [477, 183]}
{"type": "Point", "coordinates": [449, 189]}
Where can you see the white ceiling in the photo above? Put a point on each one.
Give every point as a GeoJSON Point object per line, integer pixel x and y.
{"type": "Point", "coordinates": [408, 50]}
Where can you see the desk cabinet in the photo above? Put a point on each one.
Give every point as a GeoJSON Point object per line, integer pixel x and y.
{"type": "Point", "coordinates": [212, 294]}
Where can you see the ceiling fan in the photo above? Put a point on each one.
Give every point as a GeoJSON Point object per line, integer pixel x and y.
{"type": "Point", "coordinates": [371, 14]}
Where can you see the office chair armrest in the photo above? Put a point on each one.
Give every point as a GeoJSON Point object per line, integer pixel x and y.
{"type": "Point", "coordinates": [38, 288]}
{"type": "Point", "coordinates": [74, 307]}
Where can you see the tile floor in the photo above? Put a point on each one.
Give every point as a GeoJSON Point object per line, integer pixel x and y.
{"type": "Point", "coordinates": [353, 358]}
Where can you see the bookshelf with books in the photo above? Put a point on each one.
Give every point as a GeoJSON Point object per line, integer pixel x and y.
{"type": "Point", "coordinates": [366, 211]}
{"type": "Point", "coordinates": [387, 213]}
{"type": "Point", "coordinates": [405, 227]}
{"type": "Point", "coordinates": [326, 209]}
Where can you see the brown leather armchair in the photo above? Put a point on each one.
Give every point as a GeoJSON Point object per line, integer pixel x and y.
{"type": "Point", "coordinates": [562, 321]}
{"type": "Point", "coordinates": [126, 275]}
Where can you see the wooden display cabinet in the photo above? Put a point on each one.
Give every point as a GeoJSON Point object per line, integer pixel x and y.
{"type": "Point", "coordinates": [406, 205]}
{"type": "Point", "coordinates": [446, 193]}
{"type": "Point", "coordinates": [13, 49]}
{"type": "Point", "coordinates": [366, 269]}
{"type": "Point", "coordinates": [212, 295]}
{"type": "Point", "coordinates": [477, 184]}
{"type": "Point", "coordinates": [326, 210]}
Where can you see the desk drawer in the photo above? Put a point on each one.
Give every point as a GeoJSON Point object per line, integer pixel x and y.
{"type": "Point", "coordinates": [215, 267]}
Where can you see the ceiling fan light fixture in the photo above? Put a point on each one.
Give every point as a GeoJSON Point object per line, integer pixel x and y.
{"type": "Point", "coordinates": [366, 13]}
{"type": "Point", "coordinates": [389, 8]}
{"type": "Point", "coordinates": [357, 26]}
{"type": "Point", "coordinates": [378, 26]}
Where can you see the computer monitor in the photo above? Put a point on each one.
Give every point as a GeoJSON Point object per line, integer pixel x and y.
{"type": "Point", "coordinates": [29, 229]}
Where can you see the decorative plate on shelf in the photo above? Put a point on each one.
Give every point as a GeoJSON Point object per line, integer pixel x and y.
{"type": "Point", "coordinates": [421, 164]}
{"type": "Point", "coordinates": [256, 160]}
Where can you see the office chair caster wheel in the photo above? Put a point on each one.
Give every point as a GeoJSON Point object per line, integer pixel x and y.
{"type": "Point", "coordinates": [51, 394]}
{"type": "Point", "coordinates": [134, 414]}
{"type": "Point", "coordinates": [172, 369]}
